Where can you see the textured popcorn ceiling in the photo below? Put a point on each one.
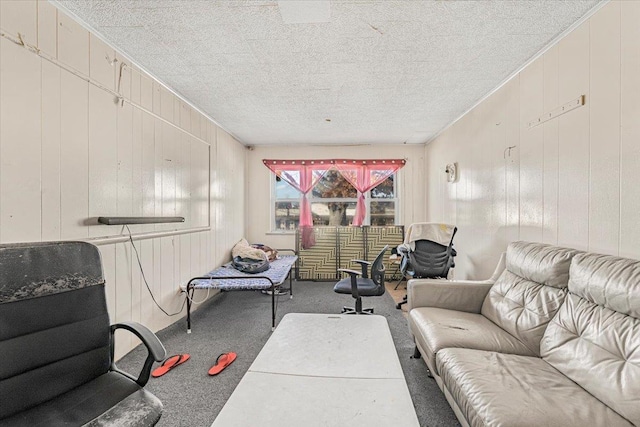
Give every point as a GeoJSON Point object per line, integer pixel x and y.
{"type": "Point", "coordinates": [382, 71]}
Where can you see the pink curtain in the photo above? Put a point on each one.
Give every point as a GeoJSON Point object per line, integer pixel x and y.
{"type": "Point", "coordinates": [365, 175]}
{"type": "Point", "coordinates": [302, 175]}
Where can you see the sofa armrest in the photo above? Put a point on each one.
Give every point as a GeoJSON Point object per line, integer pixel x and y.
{"type": "Point", "coordinates": [460, 295]}
{"type": "Point", "coordinates": [155, 349]}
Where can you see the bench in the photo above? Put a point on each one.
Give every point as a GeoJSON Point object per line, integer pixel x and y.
{"type": "Point", "coordinates": [227, 278]}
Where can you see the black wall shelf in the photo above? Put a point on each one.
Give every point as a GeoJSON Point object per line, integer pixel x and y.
{"type": "Point", "coordinates": [126, 220]}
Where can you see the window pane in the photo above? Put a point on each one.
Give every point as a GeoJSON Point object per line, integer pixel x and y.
{"type": "Point", "coordinates": [333, 213]}
{"type": "Point", "coordinates": [384, 190]}
{"type": "Point", "coordinates": [333, 185]}
{"type": "Point", "coordinates": [285, 191]}
{"type": "Point", "coordinates": [287, 215]}
{"type": "Point", "coordinates": [291, 176]}
{"type": "Point", "coordinates": [383, 213]}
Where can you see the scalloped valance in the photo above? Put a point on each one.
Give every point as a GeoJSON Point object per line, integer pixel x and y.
{"type": "Point", "coordinates": [271, 164]}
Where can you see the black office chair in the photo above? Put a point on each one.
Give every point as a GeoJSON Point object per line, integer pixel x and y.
{"type": "Point", "coordinates": [429, 260]}
{"type": "Point", "coordinates": [363, 286]}
{"type": "Point", "coordinates": [57, 345]}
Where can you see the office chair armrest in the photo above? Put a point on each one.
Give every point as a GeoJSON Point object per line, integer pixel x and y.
{"type": "Point", "coordinates": [354, 281]}
{"type": "Point", "coordinates": [352, 272]}
{"type": "Point", "coordinates": [364, 264]}
{"type": "Point", "coordinates": [459, 295]}
{"type": "Point", "coordinates": [155, 349]}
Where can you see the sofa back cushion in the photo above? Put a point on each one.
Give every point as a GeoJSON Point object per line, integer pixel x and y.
{"type": "Point", "coordinates": [595, 337]}
{"type": "Point", "coordinates": [530, 290]}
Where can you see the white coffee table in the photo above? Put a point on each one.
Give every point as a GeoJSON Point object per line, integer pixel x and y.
{"type": "Point", "coordinates": [323, 370]}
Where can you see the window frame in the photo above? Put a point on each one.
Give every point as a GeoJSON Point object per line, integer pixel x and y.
{"type": "Point", "coordinates": [367, 200]}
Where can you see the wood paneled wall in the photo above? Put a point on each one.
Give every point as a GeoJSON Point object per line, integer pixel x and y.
{"type": "Point", "coordinates": [85, 133]}
{"type": "Point", "coordinates": [571, 181]}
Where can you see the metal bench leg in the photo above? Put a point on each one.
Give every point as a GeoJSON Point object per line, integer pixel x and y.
{"type": "Point", "coordinates": [273, 308]}
{"type": "Point", "coordinates": [188, 310]}
{"type": "Point", "coordinates": [290, 286]}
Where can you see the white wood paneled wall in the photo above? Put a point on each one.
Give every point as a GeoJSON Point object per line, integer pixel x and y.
{"type": "Point", "coordinates": [411, 183]}
{"type": "Point", "coordinates": [70, 151]}
{"type": "Point", "coordinates": [571, 181]}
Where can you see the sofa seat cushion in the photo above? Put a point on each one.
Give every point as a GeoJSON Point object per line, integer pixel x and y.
{"type": "Point", "coordinates": [110, 400]}
{"type": "Point", "coordinates": [494, 389]}
{"type": "Point", "coordinates": [436, 328]}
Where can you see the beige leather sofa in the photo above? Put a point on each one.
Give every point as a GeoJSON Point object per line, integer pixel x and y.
{"type": "Point", "coordinates": [552, 339]}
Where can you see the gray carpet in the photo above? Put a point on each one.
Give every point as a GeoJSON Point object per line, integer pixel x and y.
{"type": "Point", "coordinates": [240, 322]}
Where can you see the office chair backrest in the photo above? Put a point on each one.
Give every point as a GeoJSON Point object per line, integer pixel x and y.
{"type": "Point", "coordinates": [54, 325]}
{"type": "Point", "coordinates": [431, 259]}
{"type": "Point", "coordinates": [378, 268]}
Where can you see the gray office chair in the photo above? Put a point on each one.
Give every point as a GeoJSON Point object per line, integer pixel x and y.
{"type": "Point", "coordinates": [57, 345]}
{"type": "Point", "coordinates": [363, 286]}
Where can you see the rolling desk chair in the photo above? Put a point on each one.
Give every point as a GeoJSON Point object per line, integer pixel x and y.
{"type": "Point", "coordinates": [363, 286]}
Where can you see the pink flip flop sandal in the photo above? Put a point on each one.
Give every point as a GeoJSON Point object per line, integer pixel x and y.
{"type": "Point", "coordinates": [224, 360]}
{"type": "Point", "coordinates": [169, 363]}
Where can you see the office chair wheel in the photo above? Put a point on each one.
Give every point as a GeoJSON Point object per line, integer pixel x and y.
{"type": "Point", "coordinates": [351, 310]}
{"type": "Point", "coordinates": [404, 301]}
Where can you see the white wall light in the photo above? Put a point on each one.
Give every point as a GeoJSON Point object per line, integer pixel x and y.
{"type": "Point", "coordinates": [452, 172]}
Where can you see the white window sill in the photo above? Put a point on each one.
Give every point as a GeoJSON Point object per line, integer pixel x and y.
{"type": "Point", "coordinates": [281, 233]}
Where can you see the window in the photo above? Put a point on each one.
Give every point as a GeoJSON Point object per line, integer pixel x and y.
{"type": "Point", "coordinates": [382, 202]}
{"type": "Point", "coordinates": [287, 206]}
{"type": "Point", "coordinates": [333, 202]}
